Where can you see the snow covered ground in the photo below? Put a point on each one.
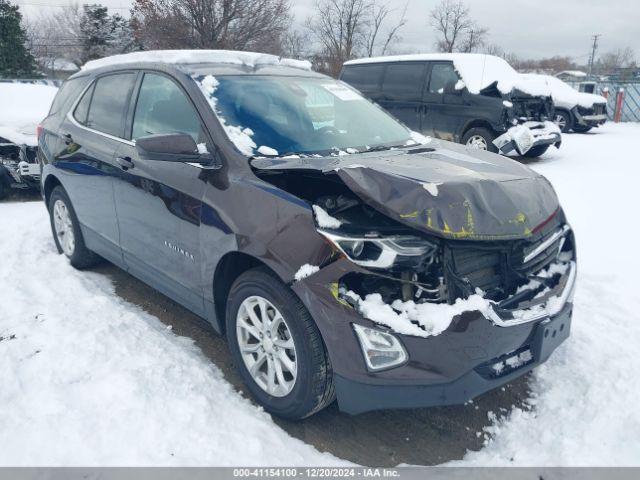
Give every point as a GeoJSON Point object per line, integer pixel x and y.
{"type": "Point", "coordinates": [584, 401]}
{"type": "Point", "coordinates": [89, 379]}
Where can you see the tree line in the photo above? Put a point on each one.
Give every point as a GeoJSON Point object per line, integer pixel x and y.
{"type": "Point", "coordinates": [336, 31]}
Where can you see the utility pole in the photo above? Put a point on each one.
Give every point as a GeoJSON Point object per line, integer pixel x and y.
{"type": "Point", "coordinates": [592, 57]}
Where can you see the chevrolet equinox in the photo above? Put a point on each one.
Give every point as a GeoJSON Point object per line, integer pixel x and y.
{"type": "Point", "coordinates": [343, 256]}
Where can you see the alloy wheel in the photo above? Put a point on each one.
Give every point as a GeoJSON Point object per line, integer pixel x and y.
{"type": "Point", "coordinates": [478, 142]}
{"type": "Point", "coordinates": [63, 226]}
{"type": "Point", "coordinates": [266, 346]}
{"type": "Point", "coordinates": [561, 122]}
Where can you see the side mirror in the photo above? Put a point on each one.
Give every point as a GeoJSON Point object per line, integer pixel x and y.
{"type": "Point", "coordinates": [174, 147]}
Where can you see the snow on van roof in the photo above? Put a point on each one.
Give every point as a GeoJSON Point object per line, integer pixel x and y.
{"type": "Point", "coordinates": [565, 95]}
{"type": "Point", "coordinates": [477, 71]}
{"type": "Point", "coordinates": [250, 59]}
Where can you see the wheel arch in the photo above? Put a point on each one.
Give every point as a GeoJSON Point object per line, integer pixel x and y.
{"type": "Point", "coordinates": [564, 110]}
{"type": "Point", "coordinates": [229, 268]}
{"type": "Point", "coordinates": [477, 123]}
{"type": "Point", "coordinates": [50, 183]}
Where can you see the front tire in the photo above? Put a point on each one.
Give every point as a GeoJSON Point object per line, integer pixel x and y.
{"type": "Point", "coordinates": [66, 231]}
{"type": "Point", "coordinates": [581, 129]}
{"type": "Point", "coordinates": [277, 347]}
{"type": "Point", "coordinates": [563, 120]}
{"type": "Point", "coordinates": [480, 139]}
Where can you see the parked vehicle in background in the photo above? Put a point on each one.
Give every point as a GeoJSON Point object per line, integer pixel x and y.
{"type": "Point", "coordinates": [474, 99]}
{"type": "Point", "coordinates": [342, 254]}
{"type": "Point", "coordinates": [588, 86]}
{"type": "Point", "coordinates": [22, 107]}
{"type": "Point", "coordinates": [574, 110]}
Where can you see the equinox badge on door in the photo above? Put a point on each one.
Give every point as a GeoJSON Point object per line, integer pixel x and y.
{"type": "Point", "coordinates": [179, 250]}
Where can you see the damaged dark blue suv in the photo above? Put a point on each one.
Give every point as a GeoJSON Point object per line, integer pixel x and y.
{"type": "Point", "coordinates": [343, 255]}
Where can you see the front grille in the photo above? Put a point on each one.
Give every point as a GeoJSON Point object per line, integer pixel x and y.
{"type": "Point", "coordinates": [499, 269]}
{"type": "Point", "coordinates": [599, 109]}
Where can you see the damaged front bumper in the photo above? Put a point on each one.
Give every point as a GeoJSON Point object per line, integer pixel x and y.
{"type": "Point", "coordinates": [478, 352]}
{"type": "Point", "coordinates": [590, 119]}
{"type": "Point", "coordinates": [543, 338]}
{"type": "Point", "coordinates": [523, 137]}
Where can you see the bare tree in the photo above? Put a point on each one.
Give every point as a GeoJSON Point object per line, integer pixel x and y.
{"type": "Point", "coordinates": [493, 49]}
{"type": "Point", "coordinates": [345, 29]}
{"type": "Point", "coordinates": [474, 39]}
{"type": "Point", "coordinates": [339, 27]}
{"type": "Point", "coordinates": [457, 31]}
{"type": "Point", "coordinates": [228, 24]}
{"type": "Point", "coordinates": [56, 35]}
{"type": "Point", "coordinates": [295, 44]}
{"type": "Point", "coordinates": [378, 16]}
{"type": "Point", "coordinates": [615, 59]}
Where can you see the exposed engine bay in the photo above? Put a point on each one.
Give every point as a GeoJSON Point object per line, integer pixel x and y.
{"type": "Point", "coordinates": [19, 167]}
{"type": "Point", "coordinates": [405, 264]}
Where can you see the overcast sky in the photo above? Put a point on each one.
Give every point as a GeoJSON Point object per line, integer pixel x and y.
{"type": "Point", "coordinates": [529, 28]}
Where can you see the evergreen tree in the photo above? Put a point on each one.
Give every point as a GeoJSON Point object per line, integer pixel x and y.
{"type": "Point", "coordinates": [15, 59]}
{"type": "Point", "coordinates": [95, 30]}
{"type": "Point", "coordinates": [102, 34]}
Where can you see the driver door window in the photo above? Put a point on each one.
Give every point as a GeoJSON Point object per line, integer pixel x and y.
{"type": "Point", "coordinates": [163, 108]}
{"type": "Point", "coordinates": [442, 74]}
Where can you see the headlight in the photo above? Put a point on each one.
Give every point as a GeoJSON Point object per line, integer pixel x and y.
{"type": "Point", "coordinates": [382, 252]}
{"type": "Point", "coordinates": [381, 350]}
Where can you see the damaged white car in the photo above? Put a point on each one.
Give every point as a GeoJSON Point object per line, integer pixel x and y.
{"type": "Point", "coordinates": [574, 111]}
{"type": "Point", "coordinates": [23, 107]}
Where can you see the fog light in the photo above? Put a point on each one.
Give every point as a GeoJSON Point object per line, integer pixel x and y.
{"type": "Point", "coordinates": [381, 350]}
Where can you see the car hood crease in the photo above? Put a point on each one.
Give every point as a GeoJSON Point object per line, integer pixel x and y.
{"type": "Point", "coordinates": [451, 193]}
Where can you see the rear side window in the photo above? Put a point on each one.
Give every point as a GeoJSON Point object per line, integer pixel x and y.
{"type": "Point", "coordinates": [404, 81]}
{"type": "Point", "coordinates": [109, 102]}
{"type": "Point", "coordinates": [365, 78]}
{"type": "Point", "coordinates": [163, 107]}
{"type": "Point", "coordinates": [69, 90]}
{"type": "Point", "coordinates": [442, 74]}
{"type": "Point", "coordinates": [82, 109]}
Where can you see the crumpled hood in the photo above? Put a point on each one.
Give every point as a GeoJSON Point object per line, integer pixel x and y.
{"type": "Point", "coordinates": [445, 189]}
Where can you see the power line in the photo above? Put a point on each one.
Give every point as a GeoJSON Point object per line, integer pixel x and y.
{"type": "Point", "coordinates": [62, 5]}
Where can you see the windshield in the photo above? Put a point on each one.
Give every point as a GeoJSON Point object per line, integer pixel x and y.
{"type": "Point", "coordinates": [277, 115]}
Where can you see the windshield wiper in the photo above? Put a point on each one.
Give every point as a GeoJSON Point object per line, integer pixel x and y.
{"type": "Point", "coordinates": [381, 148]}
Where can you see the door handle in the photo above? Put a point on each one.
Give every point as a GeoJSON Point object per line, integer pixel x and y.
{"type": "Point", "coordinates": [125, 162]}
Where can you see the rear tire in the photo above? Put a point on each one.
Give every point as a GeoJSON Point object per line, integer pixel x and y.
{"type": "Point", "coordinates": [581, 129]}
{"type": "Point", "coordinates": [66, 231]}
{"type": "Point", "coordinates": [563, 120]}
{"type": "Point", "coordinates": [480, 138]}
{"type": "Point", "coordinates": [536, 151]}
{"type": "Point", "coordinates": [4, 189]}
{"type": "Point", "coordinates": [312, 387]}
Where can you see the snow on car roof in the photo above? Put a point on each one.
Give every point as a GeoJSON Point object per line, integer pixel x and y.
{"type": "Point", "coordinates": [562, 92]}
{"type": "Point", "coordinates": [24, 106]}
{"type": "Point", "coordinates": [178, 57]}
{"type": "Point", "coordinates": [573, 73]}
{"type": "Point", "coordinates": [477, 71]}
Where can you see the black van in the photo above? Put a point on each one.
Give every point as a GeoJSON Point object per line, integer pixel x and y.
{"type": "Point", "coordinates": [342, 255]}
{"type": "Point", "coordinates": [474, 99]}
